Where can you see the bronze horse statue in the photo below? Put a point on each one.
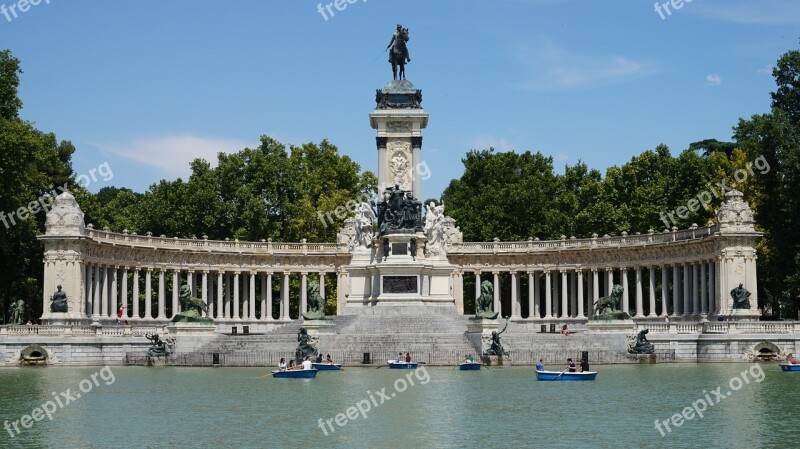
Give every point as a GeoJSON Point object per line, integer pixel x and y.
{"type": "Point", "coordinates": [398, 53]}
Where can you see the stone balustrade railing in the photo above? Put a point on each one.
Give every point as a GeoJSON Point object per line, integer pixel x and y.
{"type": "Point", "coordinates": [723, 327]}
{"type": "Point", "coordinates": [81, 330]}
{"type": "Point", "coordinates": [594, 242]}
{"type": "Point", "coordinates": [205, 245]}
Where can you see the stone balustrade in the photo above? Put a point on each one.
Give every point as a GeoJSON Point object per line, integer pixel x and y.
{"type": "Point", "coordinates": [80, 330]}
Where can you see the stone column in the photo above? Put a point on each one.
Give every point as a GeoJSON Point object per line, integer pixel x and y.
{"type": "Point", "coordinates": [626, 299]}
{"type": "Point", "coordinates": [548, 295]}
{"type": "Point", "coordinates": [303, 293]}
{"type": "Point", "coordinates": [104, 293]}
{"type": "Point", "coordinates": [564, 295]}
{"type": "Point", "coordinates": [190, 281]}
{"type": "Point", "coordinates": [252, 295]}
{"type": "Point", "coordinates": [263, 297]}
{"type": "Point", "coordinates": [652, 286]}
{"type": "Point", "coordinates": [686, 297]}
{"type": "Point", "coordinates": [720, 281]}
{"type": "Point", "coordinates": [269, 297]}
{"type": "Point", "coordinates": [664, 291]}
{"type": "Point", "coordinates": [148, 294]}
{"type": "Point", "coordinates": [204, 290]}
{"type": "Point", "coordinates": [87, 282]}
{"type": "Point", "coordinates": [236, 315]}
{"type": "Point", "coordinates": [124, 295]}
{"type": "Point", "coordinates": [228, 296]}
{"type": "Point", "coordinates": [220, 295]}
{"type": "Point", "coordinates": [695, 292]}
{"type": "Point", "coordinates": [751, 279]}
{"type": "Point", "coordinates": [703, 290]}
{"type": "Point", "coordinates": [96, 294]}
{"type": "Point", "coordinates": [135, 299]}
{"type": "Point", "coordinates": [516, 306]}
{"type": "Point", "coordinates": [712, 303]}
{"type": "Point", "coordinates": [176, 290]}
{"type": "Point", "coordinates": [322, 284]}
{"type": "Point", "coordinates": [114, 291]}
{"type": "Point", "coordinates": [285, 297]}
{"type": "Point", "coordinates": [580, 294]}
{"type": "Point", "coordinates": [497, 306]}
{"type": "Point", "coordinates": [212, 305]}
{"type": "Point", "coordinates": [245, 292]}
{"type": "Point", "coordinates": [595, 292]}
{"type": "Point", "coordinates": [162, 296]}
{"type": "Point", "coordinates": [639, 308]}
{"type": "Point", "coordinates": [676, 290]}
{"type": "Point", "coordinates": [416, 148]}
{"type": "Point", "coordinates": [573, 295]}
{"type": "Point", "coordinates": [533, 304]}
{"type": "Point", "coordinates": [458, 290]}
{"type": "Point", "coordinates": [610, 280]}
{"type": "Point", "coordinates": [556, 283]}
{"type": "Point", "coordinates": [477, 288]}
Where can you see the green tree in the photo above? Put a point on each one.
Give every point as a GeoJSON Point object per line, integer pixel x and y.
{"type": "Point", "coordinates": [32, 163]}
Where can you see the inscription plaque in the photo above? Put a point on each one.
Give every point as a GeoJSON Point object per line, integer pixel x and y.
{"type": "Point", "coordinates": [400, 284]}
{"type": "Point", "coordinates": [399, 249]}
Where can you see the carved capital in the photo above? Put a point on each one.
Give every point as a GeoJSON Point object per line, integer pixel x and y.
{"type": "Point", "coordinates": [381, 142]}
{"type": "Point", "coordinates": [416, 142]}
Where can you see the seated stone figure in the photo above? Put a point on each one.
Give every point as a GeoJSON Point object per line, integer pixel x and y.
{"type": "Point", "coordinates": [496, 347]}
{"type": "Point", "coordinates": [59, 304]}
{"type": "Point", "coordinates": [485, 302]}
{"type": "Point", "coordinates": [306, 346]}
{"type": "Point", "coordinates": [641, 345]}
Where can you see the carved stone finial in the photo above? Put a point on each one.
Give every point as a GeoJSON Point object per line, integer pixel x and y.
{"type": "Point", "coordinates": [735, 214]}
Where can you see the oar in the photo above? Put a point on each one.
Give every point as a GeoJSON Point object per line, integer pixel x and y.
{"type": "Point", "coordinates": [562, 372]}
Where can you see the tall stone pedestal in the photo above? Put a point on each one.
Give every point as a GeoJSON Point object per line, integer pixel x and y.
{"type": "Point", "coordinates": [190, 336]}
{"type": "Point", "coordinates": [390, 279]}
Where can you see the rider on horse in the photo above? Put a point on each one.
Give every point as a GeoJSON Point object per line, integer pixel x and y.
{"type": "Point", "coordinates": [399, 39]}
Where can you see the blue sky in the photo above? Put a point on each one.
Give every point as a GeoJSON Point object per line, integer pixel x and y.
{"type": "Point", "coordinates": [147, 86]}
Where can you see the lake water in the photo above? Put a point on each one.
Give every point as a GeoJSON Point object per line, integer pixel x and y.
{"type": "Point", "coordinates": [444, 408]}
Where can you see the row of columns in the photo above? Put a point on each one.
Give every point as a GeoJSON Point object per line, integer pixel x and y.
{"type": "Point", "coordinates": [573, 292]}
{"type": "Point", "coordinates": [228, 295]}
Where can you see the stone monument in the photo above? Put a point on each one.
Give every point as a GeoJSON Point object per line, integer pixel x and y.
{"type": "Point", "coordinates": [395, 268]}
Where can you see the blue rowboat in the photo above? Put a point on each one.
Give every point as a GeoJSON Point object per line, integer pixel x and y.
{"type": "Point", "coordinates": [295, 374]}
{"type": "Point", "coordinates": [402, 365]}
{"type": "Point", "coordinates": [469, 366]}
{"type": "Point", "coordinates": [789, 367]}
{"type": "Point", "coordinates": [327, 366]}
{"type": "Point", "coordinates": [559, 375]}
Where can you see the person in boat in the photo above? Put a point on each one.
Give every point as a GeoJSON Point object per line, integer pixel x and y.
{"type": "Point", "coordinates": [790, 359]}
{"type": "Point", "coordinates": [408, 357]}
{"type": "Point", "coordinates": [282, 364]}
{"type": "Point", "coordinates": [584, 365]}
{"type": "Point", "coordinates": [540, 365]}
{"type": "Point", "coordinates": [291, 365]}
{"type": "Point", "coordinates": [565, 330]}
{"type": "Point", "coordinates": [570, 365]}
{"type": "Point", "coordinates": [307, 364]}
{"type": "Point", "coordinates": [471, 358]}
{"type": "Point", "coordinates": [466, 359]}
{"type": "Point", "coordinates": [319, 358]}
{"type": "Point", "coordinates": [399, 357]}
{"type": "Point", "coordinates": [328, 359]}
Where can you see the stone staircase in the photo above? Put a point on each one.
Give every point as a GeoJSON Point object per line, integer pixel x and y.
{"type": "Point", "coordinates": [430, 338]}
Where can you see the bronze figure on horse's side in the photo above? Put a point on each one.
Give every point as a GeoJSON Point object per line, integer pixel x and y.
{"type": "Point", "coordinates": [398, 52]}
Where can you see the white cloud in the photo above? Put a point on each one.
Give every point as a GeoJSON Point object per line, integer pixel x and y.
{"type": "Point", "coordinates": [768, 69]}
{"type": "Point", "coordinates": [560, 157]}
{"type": "Point", "coordinates": [713, 80]}
{"type": "Point", "coordinates": [754, 12]}
{"type": "Point", "coordinates": [173, 153]}
{"type": "Point", "coordinates": [553, 67]}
